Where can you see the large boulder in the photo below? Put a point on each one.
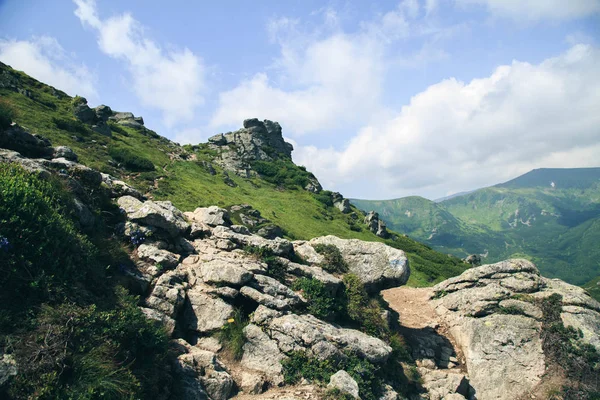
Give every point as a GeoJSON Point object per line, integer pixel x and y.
{"type": "Point", "coordinates": [493, 314]}
{"type": "Point", "coordinates": [205, 312]}
{"type": "Point", "coordinates": [18, 139]}
{"type": "Point", "coordinates": [377, 265]}
{"type": "Point", "coordinates": [212, 216]}
{"type": "Point", "coordinates": [158, 214]}
{"type": "Point", "coordinates": [262, 354]}
{"type": "Point", "coordinates": [279, 246]}
{"type": "Point", "coordinates": [298, 332]}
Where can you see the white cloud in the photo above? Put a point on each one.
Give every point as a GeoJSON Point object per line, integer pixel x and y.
{"type": "Point", "coordinates": [44, 59]}
{"type": "Point", "coordinates": [327, 79]}
{"type": "Point", "coordinates": [534, 10]}
{"type": "Point", "coordinates": [170, 81]}
{"type": "Point", "coordinates": [456, 136]}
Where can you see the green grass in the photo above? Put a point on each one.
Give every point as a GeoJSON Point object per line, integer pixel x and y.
{"type": "Point", "coordinates": [188, 184]}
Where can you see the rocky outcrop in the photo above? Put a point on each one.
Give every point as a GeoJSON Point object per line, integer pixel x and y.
{"type": "Point", "coordinates": [18, 139]}
{"type": "Point", "coordinates": [256, 141]}
{"type": "Point", "coordinates": [493, 315]}
{"type": "Point", "coordinates": [160, 214]}
{"type": "Point", "coordinates": [341, 203]}
{"type": "Point", "coordinates": [376, 225]}
{"type": "Point", "coordinates": [126, 119]}
{"type": "Point", "coordinates": [378, 266]}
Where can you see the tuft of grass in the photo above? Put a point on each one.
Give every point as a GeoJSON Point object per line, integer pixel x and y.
{"type": "Point", "coordinates": [231, 335]}
{"type": "Point", "coordinates": [131, 160]}
{"type": "Point", "coordinates": [7, 114]}
{"type": "Point", "coordinates": [333, 260]}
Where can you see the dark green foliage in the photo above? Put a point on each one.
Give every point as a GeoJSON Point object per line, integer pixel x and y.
{"type": "Point", "coordinates": [324, 196]}
{"type": "Point", "coordinates": [71, 125]}
{"type": "Point", "coordinates": [90, 353]}
{"type": "Point", "coordinates": [282, 173]}
{"type": "Point", "coordinates": [71, 334]}
{"type": "Point", "coordinates": [232, 335]}
{"type": "Point", "coordinates": [131, 160]}
{"type": "Point", "coordinates": [333, 260]}
{"type": "Point", "coordinates": [320, 301]}
{"type": "Point", "coordinates": [563, 345]}
{"type": "Point", "coordinates": [299, 366]}
{"type": "Point", "coordinates": [45, 253]}
{"type": "Point", "coordinates": [117, 128]}
{"type": "Point", "coordinates": [336, 394]}
{"type": "Point", "coordinates": [7, 114]}
{"type": "Point", "coordinates": [275, 267]}
{"type": "Point", "coordinates": [362, 310]}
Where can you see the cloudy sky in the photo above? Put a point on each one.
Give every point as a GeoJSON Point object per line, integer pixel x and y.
{"type": "Point", "coordinates": [380, 99]}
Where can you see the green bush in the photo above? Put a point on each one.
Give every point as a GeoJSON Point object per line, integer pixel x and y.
{"type": "Point", "coordinates": [232, 335]}
{"type": "Point", "coordinates": [43, 253]}
{"type": "Point", "coordinates": [320, 301]}
{"type": "Point", "coordinates": [324, 196]}
{"type": "Point", "coordinates": [131, 160]}
{"type": "Point", "coordinates": [579, 361]}
{"type": "Point", "coordinates": [362, 310]}
{"type": "Point", "coordinates": [298, 365]}
{"type": "Point", "coordinates": [91, 353]}
{"type": "Point", "coordinates": [7, 114]}
{"type": "Point", "coordinates": [333, 260]}
{"type": "Point", "coordinates": [70, 125]}
{"type": "Point", "coordinates": [282, 173]}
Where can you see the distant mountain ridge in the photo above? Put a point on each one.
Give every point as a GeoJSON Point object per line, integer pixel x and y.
{"type": "Point", "coordinates": [549, 215]}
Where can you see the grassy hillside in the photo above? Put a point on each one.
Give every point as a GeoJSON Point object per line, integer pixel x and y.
{"type": "Point", "coordinates": [186, 175]}
{"type": "Point", "coordinates": [556, 225]}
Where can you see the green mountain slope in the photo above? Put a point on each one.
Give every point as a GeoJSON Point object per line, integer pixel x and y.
{"type": "Point", "coordinates": [547, 215]}
{"type": "Point", "coordinates": [189, 176]}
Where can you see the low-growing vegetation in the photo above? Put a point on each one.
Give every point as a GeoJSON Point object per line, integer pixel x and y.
{"type": "Point", "coordinates": [282, 172]}
{"type": "Point", "coordinates": [131, 160]}
{"type": "Point", "coordinates": [70, 125]}
{"type": "Point", "coordinates": [231, 335]}
{"type": "Point", "coordinates": [7, 114]}
{"type": "Point", "coordinates": [333, 261]}
{"type": "Point", "coordinates": [71, 331]}
{"type": "Point", "coordinates": [579, 361]}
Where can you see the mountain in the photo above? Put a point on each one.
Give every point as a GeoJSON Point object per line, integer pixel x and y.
{"type": "Point", "coordinates": [133, 267]}
{"type": "Point", "coordinates": [548, 215]}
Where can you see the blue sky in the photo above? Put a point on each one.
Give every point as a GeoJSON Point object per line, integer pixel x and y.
{"type": "Point", "coordinates": [381, 100]}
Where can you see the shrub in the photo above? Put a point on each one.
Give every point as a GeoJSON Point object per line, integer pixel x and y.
{"type": "Point", "coordinates": [130, 160]}
{"type": "Point", "coordinates": [320, 301]}
{"type": "Point", "coordinates": [90, 353]}
{"type": "Point", "coordinates": [282, 173]}
{"type": "Point", "coordinates": [232, 335]}
{"type": "Point", "coordinates": [298, 365]}
{"type": "Point", "coordinates": [324, 196]}
{"type": "Point", "coordinates": [333, 260]}
{"type": "Point", "coordinates": [580, 361]}
{"type": "Point", "coordinates": [362, 310]}
{"type": "Point", "coordinates": [7, 114]}
{"type": "Point", "coordinates": [45, 253]}
{"type": "Point", "coordinates": [70, 125]}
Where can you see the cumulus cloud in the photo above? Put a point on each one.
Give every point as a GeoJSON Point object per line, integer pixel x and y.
{"type": "Point", "coordinates": [534, 10]}
{"type": "Point", "coordinates": [171, 81]}
{"type": "Point", "coordinates": [455, 136]}
{"type": "Point", "coordinates": [327, 78]}
{"type": "Point", "coordinates": [45, 59]}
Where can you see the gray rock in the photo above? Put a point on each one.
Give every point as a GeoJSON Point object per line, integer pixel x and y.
{"type": "Point", "coordinates": [166, 321]}
{"type": "Point", "coordinates": [252, 383]}
{"type": "Point", "coordinates": [341, 203]}
{"type": "Point", "coordinates": [18, 139]}
{"type": "Point", "coordinates": [64, 152]}
{"type": "Point", "coordinates": [103, 113]}
{"type": "Point", "coordinates": [9, 156]}
{"type": "Point", "coordinates": [119, 188]}
{"type": "Point", "coordinates": [263, 315]}
{"type": "Point", "coordinates": [262, 354]}
{"type": "Point", "coordinates": [306, 330]}
{"type": "Point", "coordinates": [270, 232]}
{"type": "Point", "coordinates": [376, 225]}
{"type": "Point", "coordinates": [212, 215]}
{"type": "Point", "coordinates": [343, 382]}
{"type": "Point", "coordinates": [206, 313]}
{"type": "Point", "coordinates": [332, 284]}
{"type": "Point", "coordinates": [278, 246]}
{"type": "Point", "coordinates": [198, 368]}
{"type": "Point", "coordinates": [442, 385]}
{"type": "Point", "coordinates": [159, 214]}
{"type": "Point", "coordinates": [378, 266]}
{"type": "Point", "coordinates": [84, 215]}
{"type": "Point", "coordinates": [219, 272]}
{"type": "Point", "coordinates": [151, 253]}
{"type": "Point", "coordinates": [83, 112]}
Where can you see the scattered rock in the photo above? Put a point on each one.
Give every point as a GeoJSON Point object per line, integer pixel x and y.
{"type": "Point", "coordinates": [205, 312]}
{"type": "Point", "coordinates": [151, 253]}
{"type": "Point", "coordinates": [376, 225]}
{"type": "Point", "coordinates": [343, 382]}
{"type": "Point", "coordinates": [212, 216]}
{"type": "Point", "coordinates": [262, 354]}
{"type": "Point", "coordinates": [159, 214]}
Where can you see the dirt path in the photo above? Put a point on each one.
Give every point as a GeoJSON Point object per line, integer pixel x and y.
{"type": "Point", "coordinates": [413, 306]}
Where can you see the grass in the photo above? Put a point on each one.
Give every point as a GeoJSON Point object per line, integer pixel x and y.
{"type": "Point", "coordinates": [188, 184]}
{"type": "Point", "coordinates": [232, 335]}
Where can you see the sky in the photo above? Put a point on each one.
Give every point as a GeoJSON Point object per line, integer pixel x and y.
{"type": "Point", "coordinates": [380, 99]}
